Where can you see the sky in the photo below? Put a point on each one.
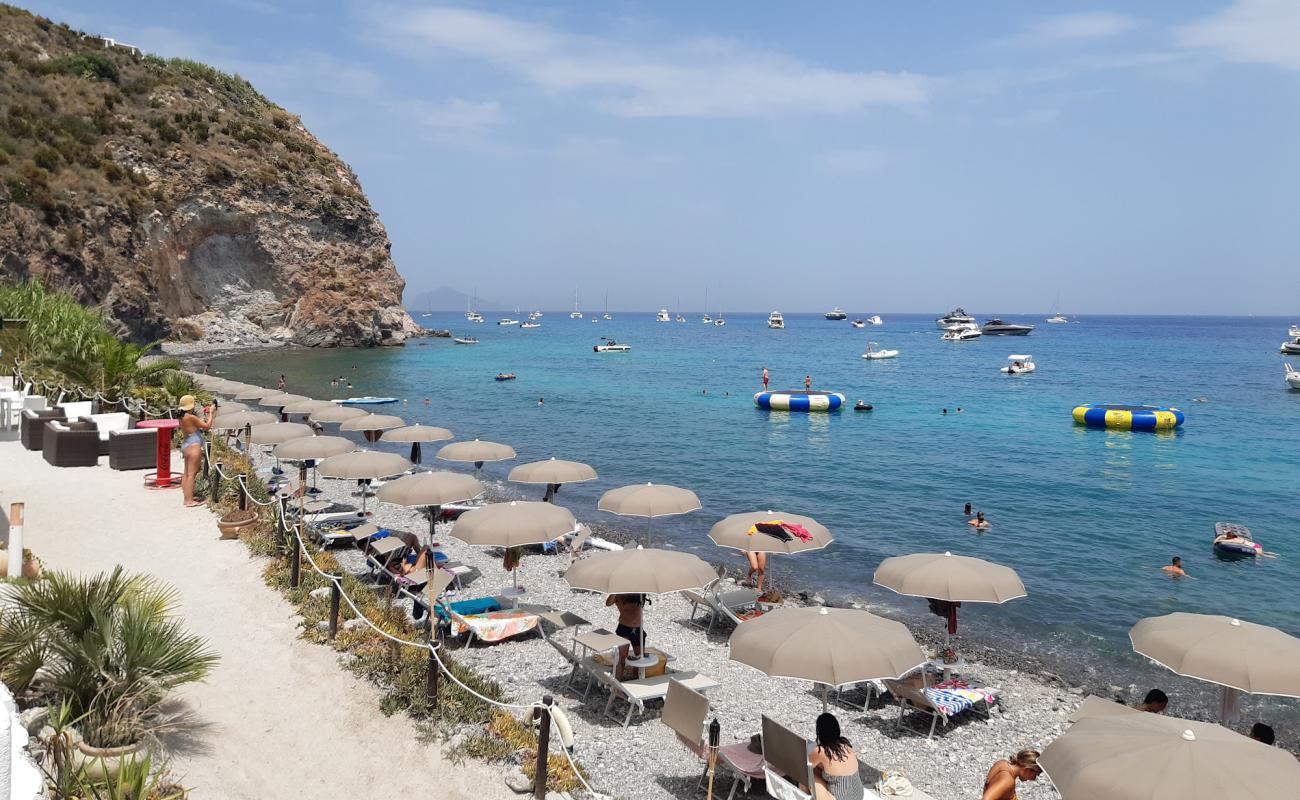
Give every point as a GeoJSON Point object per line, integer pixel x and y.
{"type": "Point", "coordinates": [880, 156]}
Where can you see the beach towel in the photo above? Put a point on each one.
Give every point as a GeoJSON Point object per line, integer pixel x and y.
{"type": "Point", "coordinates": [480, 605]}
{"type": "Point", "coordinates": [496, 626]}
{"type": "Point", "coordinates": [955, 696]}
{"type": "Point", "coordinates": [775, 529]}
{"type": "Point", "coordinates": [798, 531]}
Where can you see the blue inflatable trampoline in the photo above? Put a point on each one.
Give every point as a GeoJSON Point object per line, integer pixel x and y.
{"type": "Point", "coordinates": [1128, 418]}
{"type": "Point", "coordinates": [799, 401]}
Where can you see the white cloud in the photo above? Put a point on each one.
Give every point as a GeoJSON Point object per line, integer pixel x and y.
{"type": "Point", "coordinates": [682, 78]}
{"type": "Point", "coordinates": [1073, 28]}
{"type": "Point", "coordinates": [1249, 31]}
{"type": "Point", "coordinates": [862, 159]}
{"type": "Point", "coordinates": [460, 116]}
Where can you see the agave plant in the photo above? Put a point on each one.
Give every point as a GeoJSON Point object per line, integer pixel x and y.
{"type": "Point", "coordinates": [106, 644]}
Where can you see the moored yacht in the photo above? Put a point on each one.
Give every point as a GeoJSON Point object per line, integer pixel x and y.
{"type": "Point", "coordinates": [875, 319]}
{"type": "Point", "coordinates": [1292, 348]}
{"type": "Point", "coordinates": [534, 315]}
{"type": "Point", "coordinates": [957, 316]}
{"type": "Point", "coordinates": [1057, 319]}
{"type": "Point", "coordinates": [835, 313]}
{"type": "Point", "coordinates": [575, 313]}
{"type": "Point", "coordinates": [859, 323]}
{"type": "Point", "coordinates": [1292, 376]}
{"type": "Point", "coordinates": [474, 316]}
{"type": "Point", "coordinates": [775, 320]}
{"type": "Point", "coordinates": [1295, 331]}
{"type": "Point", "coordinates": [662, 316]}
{"type": "Point", "coordinates": [507, 321]}
{"type": "Point", "coordinates": [679, 318]}
{"type": "Point", "coordinates": [996, 327]}
{"type": "Point", "coordinates": [961, 334]}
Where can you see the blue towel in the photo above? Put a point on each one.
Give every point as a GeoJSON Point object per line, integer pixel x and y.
{"type": "Point", "coordinates": [439, 557]}
{"type": "Point", "coordinates": [465, 608]}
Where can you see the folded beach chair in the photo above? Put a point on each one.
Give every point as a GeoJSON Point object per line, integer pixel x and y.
{"type": "Point", "coordinates": [735, 605]}
{"type": "Point", "coordinates": [685, 711]}
{"type": "Point", "coordinates": [786, 768]}
{"type": "Point", "coordinates": [941, 702]}
{"type": "Point", "coordinates": [560, 620]}
{"type": "Point", "coordinates": [637, 693]}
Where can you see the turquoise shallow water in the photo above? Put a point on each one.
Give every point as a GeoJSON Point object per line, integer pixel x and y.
{"type": "Point", "coordinates": [1086, 517]}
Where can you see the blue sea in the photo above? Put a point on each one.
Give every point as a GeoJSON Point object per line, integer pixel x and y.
{"type": "Point", "coordinates": [1087, 517]}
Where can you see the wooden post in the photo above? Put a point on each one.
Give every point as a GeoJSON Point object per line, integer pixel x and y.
{"type": "Point", "coordinates": [431, 688]}
{"type": "Point", "coordinates": [334, 609]}
{"type": "Point", "coordinates": [243, 491]}
{"type": "Point", "coordinates": [216, 484]}
{"type": "Point", "coordinates": [15, 540]}
{"type": "Point", "coordinates": [543, 748]}
{"type": "Point", "coordinates": [295, 563]}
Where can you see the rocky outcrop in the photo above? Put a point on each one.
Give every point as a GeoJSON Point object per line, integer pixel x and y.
{"type": "Point", "coordinates": [181, 201]}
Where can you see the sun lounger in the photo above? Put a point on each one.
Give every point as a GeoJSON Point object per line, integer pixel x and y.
{"type": "Point", "coordinates": [637, 693]}
{"type": "Point", "coordinates": [490, 626]}
{"type": "Point", "coordinates": [685, 711]}
{"type": "Point", "coordinates": [560, 620]}
{"type": "Point", "coordinates": [942, 702]}
{"type": "Point", "coordinates": [736, 605]}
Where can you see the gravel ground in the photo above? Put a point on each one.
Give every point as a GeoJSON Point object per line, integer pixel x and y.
{"type": "Point", "coordinates": [646, 761]}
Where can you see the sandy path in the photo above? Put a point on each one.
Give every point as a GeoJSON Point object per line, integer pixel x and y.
{"type": "Point", "coordinates": [278, 716]}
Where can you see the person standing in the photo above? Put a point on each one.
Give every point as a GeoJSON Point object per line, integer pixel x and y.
{"type": "Point", "coordinates": [807, 383]}
{"type": "Point", "coordinates": [765, 379]}
{"type": "Point", "coordinates": [630, 608]}
{"type": "Point", "coordinates": [280, 385]}
{"type": "Point", "coordinates": [192, 427]}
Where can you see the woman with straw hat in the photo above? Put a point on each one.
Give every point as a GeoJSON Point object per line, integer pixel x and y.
{"type": "Point", "coordinates": [192, 427]}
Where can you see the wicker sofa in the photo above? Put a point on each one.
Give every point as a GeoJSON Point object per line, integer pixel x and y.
{"type": "Point", "coordinates": [71, 444]}
{"type": "Point", "coordinates": [32, 427]}
{"type": "Point", "coordinates": [133, 449]}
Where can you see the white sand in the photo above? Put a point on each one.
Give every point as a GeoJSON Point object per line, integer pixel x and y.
{"type": "Point", "coordinates": [278, 717]}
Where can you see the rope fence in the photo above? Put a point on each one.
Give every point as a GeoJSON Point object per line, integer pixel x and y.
{"type": "Point", "coordinates": [541, 709]}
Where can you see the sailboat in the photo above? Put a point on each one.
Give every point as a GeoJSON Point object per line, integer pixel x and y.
{"type": "Point", "coordinates": [1057, 317]}
{"type": "Point", "coordinates": [575, 313]}
{"type": "Point", "coordinates": [719, 322]}
{"type": "Point", "coordinates": [470, 313]}
{"type": "Point", "coordinates": [706, 319]}
{"type": "Point", "coordinates": [607, 314]}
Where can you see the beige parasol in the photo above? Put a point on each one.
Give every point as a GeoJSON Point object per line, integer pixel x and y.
{"type": "Point", "coordinates": [281, 399]}
{"type": "Point", "coordinates": [253, 393]}
{"type": "Point", "coordinates": [514, 524]}
{"type": "Point", "coordinates": [279, 432]}
{"type": "Point", "coordinates": [649, 500]}
{"type": "Point", "coordinates": [737, 531]}
{"type": "Point", "coordinates": [363, 465]}
{"type": "Point", "coordinates": [430, 489]}
{"type": "Point", "coordinates": [1151, 757]}
{"type": "Point", "coordinates": [1239, 656]}
{"type": "Point", "coordinates": [552, 472]}
{"type": "Point", "coordinates": [953, 579]}
{"type": "Point", "coordinates": [372, 422]}
{"type": "Point", "coordinates": [830, 646]}
{"type": "Point", "coordinates": [306, 407]}
{"type": "Point", "coordinates": [415, 435]}
{"type": "Point", "coordinates": [237, 420]}
{"type": "Point", "coordinates": [337, 414]}
{"type": "Point", "coordinates": [476, 452]}
{"type": "Point", "coordinates": [308, 448]}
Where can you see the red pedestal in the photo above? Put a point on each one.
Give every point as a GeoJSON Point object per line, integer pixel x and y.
{"type": "Point", "coordinates": [163, 478]}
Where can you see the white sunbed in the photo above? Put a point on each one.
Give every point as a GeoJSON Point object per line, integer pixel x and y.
{"type": "Point", "coordinates": [721, 605]}
{"type": "Point", "coordinates": [637, 693]}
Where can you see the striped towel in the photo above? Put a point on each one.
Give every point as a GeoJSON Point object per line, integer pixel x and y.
{"type": "Point", "coordinates": [950, 702]}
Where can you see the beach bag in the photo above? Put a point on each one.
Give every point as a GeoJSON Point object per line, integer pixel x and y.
{"type": "Point", "coordinates": [893, 784]}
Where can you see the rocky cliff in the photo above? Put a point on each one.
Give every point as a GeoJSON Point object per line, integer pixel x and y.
{"type": "Point", "coordinates": [180, 200]}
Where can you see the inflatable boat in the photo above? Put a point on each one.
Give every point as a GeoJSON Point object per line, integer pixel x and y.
{"type": "Point", "coordinates": [1128, 418]}
{"type": "Point", "coordinates": [1234, 541]}
{"type": "Point", "coordinates": [797, 400]}
{"type": "Point", "coordinates": [365, 401]}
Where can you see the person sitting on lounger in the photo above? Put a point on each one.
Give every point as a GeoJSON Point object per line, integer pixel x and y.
{"type": "Point", "coordinates": [630, 607]}
{"type": "Point", "coordinates": [1000, 783]}
{"type": "Point", "coordinates": [835, 763]}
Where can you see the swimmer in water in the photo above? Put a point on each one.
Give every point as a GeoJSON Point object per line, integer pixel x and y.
{"type": "Point", "coordinates": [1175, 568]}
{"type": "Point", "coordinates": [967, 511]}
{"type": "Point", "coordinates": [540, 401]}
{"type": "Point", "coordinates": [979, 522]}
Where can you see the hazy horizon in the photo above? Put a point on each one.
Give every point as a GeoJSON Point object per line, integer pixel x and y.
{"type": "Point", "coordinates": [1131, 161]}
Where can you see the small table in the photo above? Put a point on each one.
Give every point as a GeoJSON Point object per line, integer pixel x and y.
{"type": "Point", "coordinates": [949, 669]}
{"type": "Point", "coordinates": [595, 642]}
{"type": "Point", "coordinates": [646, 660]}
{"type": "Point", "coordinates": [512, 593]}
{"type": "Point", "coordinates": [163, 477]}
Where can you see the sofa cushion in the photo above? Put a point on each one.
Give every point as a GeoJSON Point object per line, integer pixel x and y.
{"type": "Point", "coordinates": [78, 409]}
{"type": "Point", "coordinates": [81, 425]}
{"type": "Point", "coordinates": [106, 423]}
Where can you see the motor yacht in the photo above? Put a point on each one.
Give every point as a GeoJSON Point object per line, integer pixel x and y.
{"type": "Point", "coordinates": [706, 319]}
{"type": "Point", "coordinates": [835, 313]}
{"type": "Point", "coordinates": [1057, 319]}
{"type": "Point", "coordinates": [662, 316]}
{"type": "Point", "coordinates": [531, 325]}
{"type": "Point", "coordinates": [535, 315]}
{"type": "Point", "coordinates": [1019, 365]}
{"type": "Point", "coordinates": [963, 326]}
{"type": "Point", "coordinates": [957, 316]}
{"type": "Point", "coordinates": [507, 321]}
{"type": "Point", "coordinates": [875, 319]}
{"type": "Point", "coordinates": [1292, 377]}
{"type": "Point", "coordinates": [775, 320]}
{"type": "Point", "coordinates": [1292, 348]}
{"type": "Point", "coordinates": [679, 318]}
{"type": "Point", "coordinates": [1294, 332]}
{"type": "Point", "coordinates": [859, 323]}
{"type": "Point", "coordinates": [611, 346]}
{"type": "Point", "coordinates": [962, 335]}
{"type": "Point", "coordinates": [876, 355]}
{"type": "Point", "coordinates": [996, 327]}
{"type": "Point", "coordinates": [474, 316]}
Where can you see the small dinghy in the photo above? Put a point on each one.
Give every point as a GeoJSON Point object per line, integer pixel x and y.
{"type": "Point", "coordinates": [861, 406]}
{"type": "Point", "coordinates": [611, 346]}
{"type": "Point", "coordinates": [365, 401]}
{"type": "Point", "coordinates": [505, 376]}
{"type": "Point", "coordinates": [465, 340]}
{"type": "Point", "coordinates": [1232, 541]}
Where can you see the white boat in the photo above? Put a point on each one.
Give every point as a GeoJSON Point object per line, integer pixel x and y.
{"type": "Point", "coordinates": [963, 326]}
{"type": "Point", "coordinates": [1292, 348]}
{"type": "Point", "coordinates": [474, 316]}
{"type": "Point", "coordinates": [957, 316]}
{"type": "Point", "coordinates": [1057, 319]}
{"type": "Point", "coordinates": [662, 316]}
{"type": "Point", "coordinates": [470, 313]}
{"type": "Point", "coordinates": [531, 325]}
{"type": "Point", "coordinates": [1294, 332]}
{"type": "Point", "coordinates": [962, 335]}
{"type": "Point", "coordinates": [611, 346]}
{"type": "Point", "coordinates": [507, 321]}
{"type": "Point", "coordinates": [465, 340]}
{"type": "Point", "coordinates": [595, 320]}
{"type": "Point", "coordinates": [1019, 365]}
{"type": "Point", "coordinates": [1292, 377]}
{"type": "Point", "coordinates": [776, 321]}
{"type": "Point", "coordinates": [877, 355]}
{"type": "Point", "coordinates": [836, 313]}
{"type": "Point", "coordinates": [607, 315]}
{"type": "Point", "coordinates": [575, 313]}
{"type": "Point", "coordinates": [706, 319]}
{"type": "Point", "coordinates": [875, 319]}
{"type": "Point", "coordinates": [859, 323]}
{"type": "Point", "coordinates": [426, 315]}
{"type": "Point", "coordinates": [719, 322]}
{"type": "Point", "coordinates": [679, 318]}
{"type": "Point", "coordinates": [534, 315]}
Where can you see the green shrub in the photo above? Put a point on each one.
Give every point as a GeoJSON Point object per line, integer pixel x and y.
{"type": "Point", "coordinates": [93, 66]}
{"type": "Point", "coordinates": [47, 158]}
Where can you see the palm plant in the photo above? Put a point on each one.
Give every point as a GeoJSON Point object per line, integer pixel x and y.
{"type": "Point", "coordinates": [107, 644]}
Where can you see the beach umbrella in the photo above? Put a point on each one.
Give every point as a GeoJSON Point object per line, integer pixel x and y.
{"type": "Point", "coordinates": [476, 452]}
{"type": "Point", "coordinates": [313, 448]}
{"type": "Point", "coordinates": [280, 399]}
{"type": "Point", "coordinates": [415, 435]}
{"type": "Point", "coordinates": [951, 579]}
{"type": "Point", "coordinates": [254, 393]}
{"type": "Point", "coordinates": [337, 414]}
{"type": "Point", "coordinates": [306, 407]}
{"type": "Point", "coordinates": [1239, 656]}
{"type": "Point", "coordinates": [431, 490]}
{"type": "Point", "coordinates": [371, 424]}
{"type": "Point", "coordinates": [829, 646]}
{"type": "Point", "coordinates": [640, 571]}
{"type": "Point", "coordinates": [649, 500]}
{"type": "Point", "coordinates": [553, 473]}
{"type": "Point", "coordinates": [278, 432]}
{"type": "Point", "coordinates": [741, 532]}
{"type": "Point", "coordinates": [514, 524]}
{"type": "Point", "coordinates": [1155, 757]}
{"type": "Point", "coordinates": [237, 420]}
{"type": "Point", "coordinates": [363, 465]}
{"type": "Point", "coordinates": [230, 407]}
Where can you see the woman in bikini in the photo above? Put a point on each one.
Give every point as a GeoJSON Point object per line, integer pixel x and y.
{"type": "Point", "coordinates": [192, 427]}
{"type": "Point", "coordinates": [1000, 783]}
{"type": "Point", "coordinates": [835, 763]}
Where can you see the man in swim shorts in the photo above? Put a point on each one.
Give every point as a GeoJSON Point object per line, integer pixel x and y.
{"type": "Point", "coordinates": [629, 627]}
{"type": "Point", "coordinates": [1175, 568]}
